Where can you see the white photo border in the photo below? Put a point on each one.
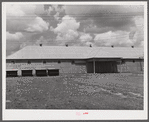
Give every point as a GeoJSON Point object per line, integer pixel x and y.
{"type": "Point", "coordinates": [71, 114]}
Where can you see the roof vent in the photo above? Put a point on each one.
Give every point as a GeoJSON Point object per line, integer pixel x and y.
{"type": "Point", "coordinates": [90, 45]}
{"type": "Point", "coordinates": [66, 45]}
{"type": "Point", "coordinates": [40, 45]}
{"type": "Point", "coordinates": [132, 46]}
{"type": "Point", "coordinates": [112, 46]}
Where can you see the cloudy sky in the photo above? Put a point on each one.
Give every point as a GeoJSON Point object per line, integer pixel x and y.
{"type": "Point", "coordinates": [75, 25]}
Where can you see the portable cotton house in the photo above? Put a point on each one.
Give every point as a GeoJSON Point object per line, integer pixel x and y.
{"type": "Point", "coordinates": [55, 60]}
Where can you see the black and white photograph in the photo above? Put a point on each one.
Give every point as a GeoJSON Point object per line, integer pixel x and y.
{"type": "Point", "coordinates": [76, 59]}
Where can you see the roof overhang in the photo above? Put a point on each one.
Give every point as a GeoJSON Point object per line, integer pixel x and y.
{"type": "Point", "coordinates": [105, 59]}
{"type": "Point", "coordinates": [136, 58]}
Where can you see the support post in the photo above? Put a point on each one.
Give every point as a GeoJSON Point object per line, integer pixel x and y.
{"type": "Point", "coordinates": [140, 65]}
{"type": "Point", "coordinates": [120, 66]}
{"type": "Point", "coordinates": [94, 65]}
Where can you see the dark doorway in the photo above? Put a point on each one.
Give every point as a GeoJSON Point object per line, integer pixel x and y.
{"type": "Point", "coordinates": [102, 67]}
{"type": "Point", "coordinates": [53, 72]}
{"type": "Point", "coordinates": [27, 73]}
{"type": "Point", "coordinates": [11, 73]}
{"type": "Point", "coordinates": [42, 72]}
{"type": "Point", "coordinates": [106, 67]}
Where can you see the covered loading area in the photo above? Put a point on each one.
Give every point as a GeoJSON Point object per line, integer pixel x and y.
{"type": "Point", "coordinates": [102, 65]}
{"type": "Point", "coordinates": [12, 73]}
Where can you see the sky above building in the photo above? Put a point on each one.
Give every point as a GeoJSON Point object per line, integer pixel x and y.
{"type": "Point", "coordinates": [75, 25]}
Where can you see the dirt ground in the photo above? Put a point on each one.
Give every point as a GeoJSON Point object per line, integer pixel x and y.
{"type": "Point", "coordinates": [76, 91]}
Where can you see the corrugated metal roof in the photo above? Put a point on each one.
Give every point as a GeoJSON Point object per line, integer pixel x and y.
{"type": "Point", "coordinates": [71, 52]}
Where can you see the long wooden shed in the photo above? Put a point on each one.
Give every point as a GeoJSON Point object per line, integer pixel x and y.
{"type": "Point", "coordinates": [77, 59]}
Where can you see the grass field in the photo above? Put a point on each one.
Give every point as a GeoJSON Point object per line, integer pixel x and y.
{"type": "Point", "coordinates": [80, 91]}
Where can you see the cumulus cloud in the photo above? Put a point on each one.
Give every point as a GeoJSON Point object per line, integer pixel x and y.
{"type": "Point", "coordinates": [118, 38]}
{"type": "Point", "coordinates": [23, 18]}
{"type": "Point", "coordinates": [139, 24]}
{"type": "Point", "coordinates": [139, 29]}
{"type": "Point", "coordinates": [13, 41]}
{"type": "Point", "coordinates": [71, 34]}
{"type": "Point", "coordinates": [37, 25]}
{"type": "Point", "coordinates": [49, 9]}
{"type": "Point", "coordinates": [56, 11]}
{"type": "Point", "coordinates": [85, 37]}
{"type": "Point", "coordinates": [56, 16]}
{"type": "Point", "coordinates": [17, 36]}
{"type": "Point", "coordinates": [80, 25]}
{"type": "Point", "coordinates": [67, 23]}
{"type": "Point", "coordinates": [59, 8]}
{"type": "Point", "coordinates": [69, 37]}
{"type": "Point", "coordinates": [66, 30]}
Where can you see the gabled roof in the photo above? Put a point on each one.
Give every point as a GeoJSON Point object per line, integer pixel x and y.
{"type": "Point", "coordinates": [71, 52]}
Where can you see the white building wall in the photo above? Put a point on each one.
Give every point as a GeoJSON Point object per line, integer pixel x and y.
{"type": "Point", "coordinates": [131, 67]}
{"type": "Point", "coordinates": [68, 67]}
{"type": "Point", "coordinates": [64, 67]}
